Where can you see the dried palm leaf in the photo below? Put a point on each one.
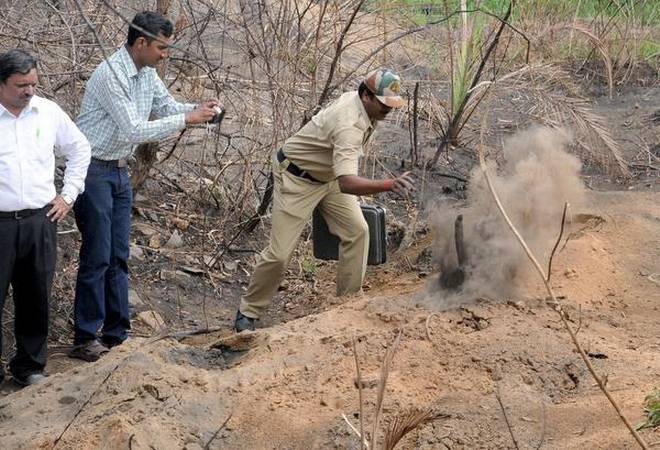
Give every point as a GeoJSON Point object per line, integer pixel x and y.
{"type": "Point", "coordinates": [598, 43]}
{"type": "Point", "coordinates": [407, 422]}
{"type": "Point", "coordinates": [593, 127]}
{"type": "Point", "coordinates": [555, 101]}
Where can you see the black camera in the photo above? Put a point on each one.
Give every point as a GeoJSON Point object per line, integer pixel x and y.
{"type": "Point", "coordinates": [219, 115]}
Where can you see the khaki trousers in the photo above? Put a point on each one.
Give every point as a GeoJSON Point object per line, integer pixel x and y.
{"type": "Point", "coordinates": [294, 200]}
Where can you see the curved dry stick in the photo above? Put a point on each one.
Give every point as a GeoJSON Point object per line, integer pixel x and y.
{"type": "Point", "coordinates": [506, 417]}
{"type": "Point", "coordinates": [208, 444]}
{"type": "Point", "coordinates": [363, 441]}
{"type": "Point", "coordinates": [554, 249]}
{"type": "Point", "coordinates": [84, 405]}
{"type": "Point", "coordinates": [557, 305]}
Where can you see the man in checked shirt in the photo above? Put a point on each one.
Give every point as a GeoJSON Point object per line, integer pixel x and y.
{"type": "Point", "coordinates": [120, 96]}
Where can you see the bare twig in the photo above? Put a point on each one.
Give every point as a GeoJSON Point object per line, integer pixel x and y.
{"type": "Point", "coordinates": [359, 383]}
{"type": "Point", "coordinates": [363, 441]}
{"type": "Point", "coordinates": [414, 152]}
{"type": "Point", "coordinates": [506, 417]}
{"type": "Point", "coordinates": [561, 232]}
{"type": "Point", "coordinates": [82, 407]}
{"type": "Point", "coordinates": [384, 373]}
{"type": "Point", "coordinates": [208, 444]}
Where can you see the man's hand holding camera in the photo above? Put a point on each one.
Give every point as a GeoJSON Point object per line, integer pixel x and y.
{"type": "Point", "coordinates": [211, 111]}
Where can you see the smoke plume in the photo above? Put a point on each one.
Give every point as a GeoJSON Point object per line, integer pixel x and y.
{"type": "Point", "coordinates": [537, 177]}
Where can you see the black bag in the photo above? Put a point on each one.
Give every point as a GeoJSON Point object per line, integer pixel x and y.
{"type": "Point", "coordinates": [326, 244]}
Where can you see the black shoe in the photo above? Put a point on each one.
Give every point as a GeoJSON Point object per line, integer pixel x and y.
{"type": "Point", "coordinates": [88, 351]}
{"type": "Point", "coordinates": [30, 378]}
{"type": "Point", "coordinates": [243, 323]}
{"type": "Point", "coordinates": [111, 343]}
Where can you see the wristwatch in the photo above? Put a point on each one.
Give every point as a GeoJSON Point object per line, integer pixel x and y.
{"type": "Point", "coordinates": [68, 200]}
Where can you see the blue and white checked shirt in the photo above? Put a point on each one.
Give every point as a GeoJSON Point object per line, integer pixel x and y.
{"type": "Point", "coordinates": [116, 107]}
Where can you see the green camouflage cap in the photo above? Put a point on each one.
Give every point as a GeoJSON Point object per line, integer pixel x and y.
{"type": "Point", "coordinates": [386, 86]}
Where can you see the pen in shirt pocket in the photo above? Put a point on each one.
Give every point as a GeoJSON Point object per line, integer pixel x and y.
{"type": "Point", "coordinates": [38, 132]}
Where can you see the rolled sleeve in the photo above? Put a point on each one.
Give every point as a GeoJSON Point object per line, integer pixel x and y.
{"type": "Point", "coordinates": [347, 148]}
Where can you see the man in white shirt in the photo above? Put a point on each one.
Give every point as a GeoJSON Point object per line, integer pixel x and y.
{"type": "Point", "coordinates": [31, 128]}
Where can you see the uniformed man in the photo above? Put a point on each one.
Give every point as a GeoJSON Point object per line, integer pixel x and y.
{"type": "Point", "coordinates": [318, 166]}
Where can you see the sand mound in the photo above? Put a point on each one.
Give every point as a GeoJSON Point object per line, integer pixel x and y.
{"type": "Point", "coordinates": [286, 387]}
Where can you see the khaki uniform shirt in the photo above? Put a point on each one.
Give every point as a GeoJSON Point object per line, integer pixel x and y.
{"type": "Point", "coordinates": [330, 144]}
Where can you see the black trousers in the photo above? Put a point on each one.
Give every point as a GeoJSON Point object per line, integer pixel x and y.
{"type": "Point", "coordinates": [28, 251]}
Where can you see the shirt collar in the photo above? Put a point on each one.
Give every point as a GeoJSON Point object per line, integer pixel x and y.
{"type": "Point", "coordinates": [33, 105]}
{"type": "Point", "coordinates": [127, 62]}
{"type": "Point", "coordinates": [364, 117]}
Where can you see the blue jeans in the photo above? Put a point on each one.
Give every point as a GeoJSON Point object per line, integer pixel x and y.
{"type": "Point", "coordinates": [103, 216]}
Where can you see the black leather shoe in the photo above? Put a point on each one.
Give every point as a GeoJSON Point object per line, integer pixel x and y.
{"type": "Point", "coordinates": [29, 379]}
{"type": "Point", "coordinates": [111, 343]}
{"type": "Point", "coordinates": [243, 323]}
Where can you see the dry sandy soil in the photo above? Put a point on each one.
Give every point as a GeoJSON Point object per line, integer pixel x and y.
{"type": "Point", "coordinates": [483, 363]}
{"type": "Point", "coordinates": [286, 387]}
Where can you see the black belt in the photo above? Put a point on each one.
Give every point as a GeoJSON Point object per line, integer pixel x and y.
{"type": "Point", "coordinates": [295, 170]}
{"type": "Point", "coordinates": [111, 162]}
{"type": "Point", "coordinates": [22, 214]}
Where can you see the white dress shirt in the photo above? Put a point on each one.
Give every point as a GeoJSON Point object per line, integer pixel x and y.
{"type": "Point", "coordinates": [27, 155]}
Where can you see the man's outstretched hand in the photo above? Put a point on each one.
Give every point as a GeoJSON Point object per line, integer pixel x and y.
{"type": "Point", "coordinates": [403, 185]}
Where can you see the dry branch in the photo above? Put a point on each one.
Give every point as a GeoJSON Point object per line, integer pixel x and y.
{"type": "Point", "coordinates": [363, 441]}
{"type": "Point", "coordinates": [208, 444]}
{"type": "Point", "coordinates": [82, 407]}
{"type": "Point", "coordinates": [554, 249]}
{"type": "Point", "coordinates": [506, 417]}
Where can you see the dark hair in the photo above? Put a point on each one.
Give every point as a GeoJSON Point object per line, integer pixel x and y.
{"type": "Point", "coordinates": [151, 22]}
{"type": "Point", "coordinates": [15, 61]}
{"type": "Point", "coordinates": [362, 88]}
